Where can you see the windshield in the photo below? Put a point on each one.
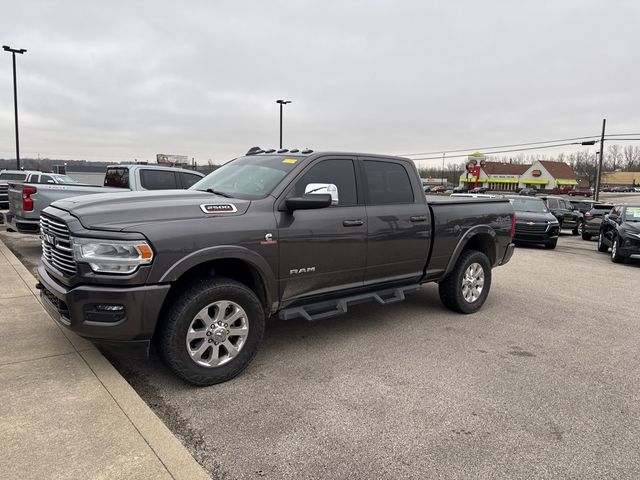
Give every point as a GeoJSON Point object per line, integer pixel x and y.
{"type": "Point", "coordinates": [64, 179]}
{"type": "Point", "coordinates": [248, 178]}
{"type": "Point", "coordinates": [632, 214]}
{"type": "Point", "coordinates": [528, 205]}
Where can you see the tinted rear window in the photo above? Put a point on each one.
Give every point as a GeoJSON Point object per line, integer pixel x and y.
{"type": "Point", "coordinates": [158, 180]}
{"type": "Point", "coordinates": [12, 176]}
{"type": "Point", "coordinates": [117, 177]}
{"type": "Point", "coordinates": [387, 183]}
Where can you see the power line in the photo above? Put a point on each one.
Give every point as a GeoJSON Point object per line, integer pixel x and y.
{"type": "Point", "coordinates": [501, 151]}
{"type": "Point", "coordinates": [519, 144]}
{"type": "Point", "coordinates": [499, 146]}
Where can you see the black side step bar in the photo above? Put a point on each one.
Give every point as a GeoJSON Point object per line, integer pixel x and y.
{"type": "Point", "coordinates": [331, 308]}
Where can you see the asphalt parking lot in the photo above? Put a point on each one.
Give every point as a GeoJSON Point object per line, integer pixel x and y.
{"type": "Point", "coordinates": [541, 383]}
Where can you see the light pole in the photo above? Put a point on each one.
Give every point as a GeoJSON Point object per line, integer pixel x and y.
{"type": "Point", "coordinates": [281, 102]}
{"type": "Point", "coordinates": [13, 51]}
{"type": "Point", "coordinates": [596, 194]}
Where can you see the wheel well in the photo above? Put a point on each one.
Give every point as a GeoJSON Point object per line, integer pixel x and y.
{"type": "Point", "coordinates": [485, 243]}
{"type": "Point", "coordinates": [232, 268]}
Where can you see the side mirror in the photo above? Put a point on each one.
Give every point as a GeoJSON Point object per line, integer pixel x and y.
{"type": "Point", "coordinates": [308, 202]}
{"type": "Point", "coordinates": [323, 188]}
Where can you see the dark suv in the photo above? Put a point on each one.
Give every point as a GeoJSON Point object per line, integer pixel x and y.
{"type": "Point", "coordinates": [620, 230]}
{"type": "Point", "coordinates": [534, 222]}
{"type": "Point", "coordinates": [592, 212]}
{"type": "Point", "coordinates": [563, 210]}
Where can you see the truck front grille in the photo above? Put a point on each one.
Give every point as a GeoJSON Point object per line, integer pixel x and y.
{"type": "Point", "coordinates": [56, 244]}
{"type": "Point", "coordinates": [534, 227]}
{"type": "Point", "coordinates": [4, 190]}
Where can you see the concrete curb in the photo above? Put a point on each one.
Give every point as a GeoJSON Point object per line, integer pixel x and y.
{"type": "Point", "coordinates": [171, 453]}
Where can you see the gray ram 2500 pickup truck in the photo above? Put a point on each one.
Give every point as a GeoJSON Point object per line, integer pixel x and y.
{"type": "Point", "coordinates": [294, 234]}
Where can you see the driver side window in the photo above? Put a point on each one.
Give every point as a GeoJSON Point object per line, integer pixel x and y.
{"type": "Point", "coordinates": [340, 173]}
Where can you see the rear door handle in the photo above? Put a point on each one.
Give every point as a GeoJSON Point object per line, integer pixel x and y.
{"type": "Point", "coordinates": [352, 223]}
{"type": "Point", "coordinates": [419, 218]}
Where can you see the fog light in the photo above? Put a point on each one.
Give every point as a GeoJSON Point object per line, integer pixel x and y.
{"type": "Point", "coordinates": [109, 308]}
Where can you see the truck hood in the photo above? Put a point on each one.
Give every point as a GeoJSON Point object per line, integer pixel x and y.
{"type": "Point", "coordinates": [118, 211]}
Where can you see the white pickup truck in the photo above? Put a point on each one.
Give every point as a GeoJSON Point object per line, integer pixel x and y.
{"type": "Point", "coordinates": [27, 200]}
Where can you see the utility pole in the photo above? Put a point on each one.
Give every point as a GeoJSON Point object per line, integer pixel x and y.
{"type": "Point", "coordinates": [596, 193]}
{"type": "Point", "coordinates": [442, 178]}
{"type": "Point", "coordinates": [281, 102]}
{"type": "Point", "coordinates": [13, 51]}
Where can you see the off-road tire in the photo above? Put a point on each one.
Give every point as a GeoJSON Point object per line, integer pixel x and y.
{"type": "Point", "coordinates": [177, 317]}
{"type": "Point", "coordinates": [450, 289]}
{"type": "Point", "coordinates": [601, 245]}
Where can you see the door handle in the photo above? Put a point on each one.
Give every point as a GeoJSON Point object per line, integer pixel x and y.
{"type": "Point", "coordinates": [352, 223]}
{"type": "Point", "coordinates": [418, 218]}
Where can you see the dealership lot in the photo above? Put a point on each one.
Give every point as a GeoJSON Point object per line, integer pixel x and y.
{"type": "Point", "coordinates": [541, 382]}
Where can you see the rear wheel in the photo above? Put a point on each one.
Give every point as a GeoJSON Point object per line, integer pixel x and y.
{"type": "Point", "coordinates": [616, 257]}
{"type": "Point", "coordinates": [212, 331]}
{"type": "Point", "coordinates": [601, 245]}
{"type": "Point", "coordinates": [585, 235]}
{"type": "Point", "coordinates": [465, 289]}
{"type": "Point", "coordinates": [578, 228]}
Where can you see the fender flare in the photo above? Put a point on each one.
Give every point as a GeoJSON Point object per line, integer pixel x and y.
{"type": "Point", "coordinates": [469, 234]}
{"type": "Point", "coordinates": [231, 252]}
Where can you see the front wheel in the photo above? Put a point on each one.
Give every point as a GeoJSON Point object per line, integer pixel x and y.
{"type": "Point", "coordinates": [551, 244]}
{"type": "Point", "coordinates": [212, 331]}
{"type": "Point", "coordinates": [579, 228]}
{"type": "Point", "coordinates": [616, 257]}
{"type": "Point", "coordinates": [465, 289]}
{"type": "Point", "coordinates": [601, 245]}
{"type": "Point", "coordinates": [585, 235]}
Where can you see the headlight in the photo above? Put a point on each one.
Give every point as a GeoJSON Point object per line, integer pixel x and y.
{"type": "Point", "coordinates": [112, 256]}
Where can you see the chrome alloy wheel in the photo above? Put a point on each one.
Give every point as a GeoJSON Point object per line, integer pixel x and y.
{"type": "Point", "coordinates": [473, 282]}
{"type": "Point", "coordinates": [217, 333]}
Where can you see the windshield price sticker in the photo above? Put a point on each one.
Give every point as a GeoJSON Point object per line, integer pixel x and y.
{"type": "Point", "coordinates": [290, 161]}
{"type": "Point", "coordinates": [219, 208]}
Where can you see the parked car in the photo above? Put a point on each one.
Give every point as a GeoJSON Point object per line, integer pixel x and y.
{"type": "Point", "coordinates": [580, 192]}
{"type": "Point", "coordinates": [438, 189]}
{"type": "Point", "coordinates": [528, 191]}
{"type": "Point", "coordinates": [459, 189]}
{"type": "Point", "coordinates": [27, 200]}
{"type": "Point", "coordinates": [201, 270]}
{"type": "Point", "coordinates": [636, 189]}
{"type": "Point", "coordinates": [426, 188]}
{"type": "Point", "coordinates": [564, 212]}
{"type": "Point", "coordinates": [479, 190]}
{"type": "Point", "coordinates": [593, 218]}
{"type": "Point", "coordinates": [7, 176]}
{"type": "Point", "coordinates": [620, 231]}
{"type": "Point", "coordinates": [475, 195]}
{"type": "Point", "coordinates": [563, 190]}
{"type": "Point", "coordinates": [535, 224]}
{"type": "Point", "coordinates": [622, 189]}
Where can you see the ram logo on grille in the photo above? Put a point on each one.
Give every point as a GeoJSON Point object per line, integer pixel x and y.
{"type": "Point", "coordinates": [56, 245]}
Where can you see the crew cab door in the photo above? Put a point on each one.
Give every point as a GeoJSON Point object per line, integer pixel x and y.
{"type": "Point", "coordinates": [398, 221]}
{"type": "Point", "coordinates": [322, 250]}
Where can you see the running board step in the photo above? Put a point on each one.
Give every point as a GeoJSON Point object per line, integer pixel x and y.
{"type": "Point", "coordinates": [332, 308]}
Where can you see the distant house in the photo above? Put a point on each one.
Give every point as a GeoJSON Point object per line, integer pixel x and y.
{"type": "Point", "coordinates": [621, 179]}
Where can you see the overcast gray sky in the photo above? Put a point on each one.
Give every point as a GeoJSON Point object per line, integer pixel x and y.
{"type": "Point", "coordinates": [122, 80]}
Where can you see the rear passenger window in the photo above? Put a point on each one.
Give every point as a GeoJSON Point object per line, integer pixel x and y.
{"type": "Point", "coordinates": [158, 180]}
{"type": "Point", "coordinates": [189, 179]}
{"type": "Point", "coordinates": [387, 183]}
{"type": "Point", "coordinates": [46, 179]}
{"type": "Point", "coordinates": [12, 176]}
{"type": "Point", "coordinates": [552, 203]}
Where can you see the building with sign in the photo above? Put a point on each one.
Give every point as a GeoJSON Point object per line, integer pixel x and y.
{"type": "Point", "coordinates": [621, 179]}
{"type": "Point", "coordinates": [495, 176]}
{"type": "Point", "coordinates": [542, 174]}
{"type": "Point", "coordinates": [547, 175]}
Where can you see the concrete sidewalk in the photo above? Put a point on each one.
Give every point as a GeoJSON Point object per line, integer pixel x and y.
{"type": "Point", "coordinates": [65, 412]}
